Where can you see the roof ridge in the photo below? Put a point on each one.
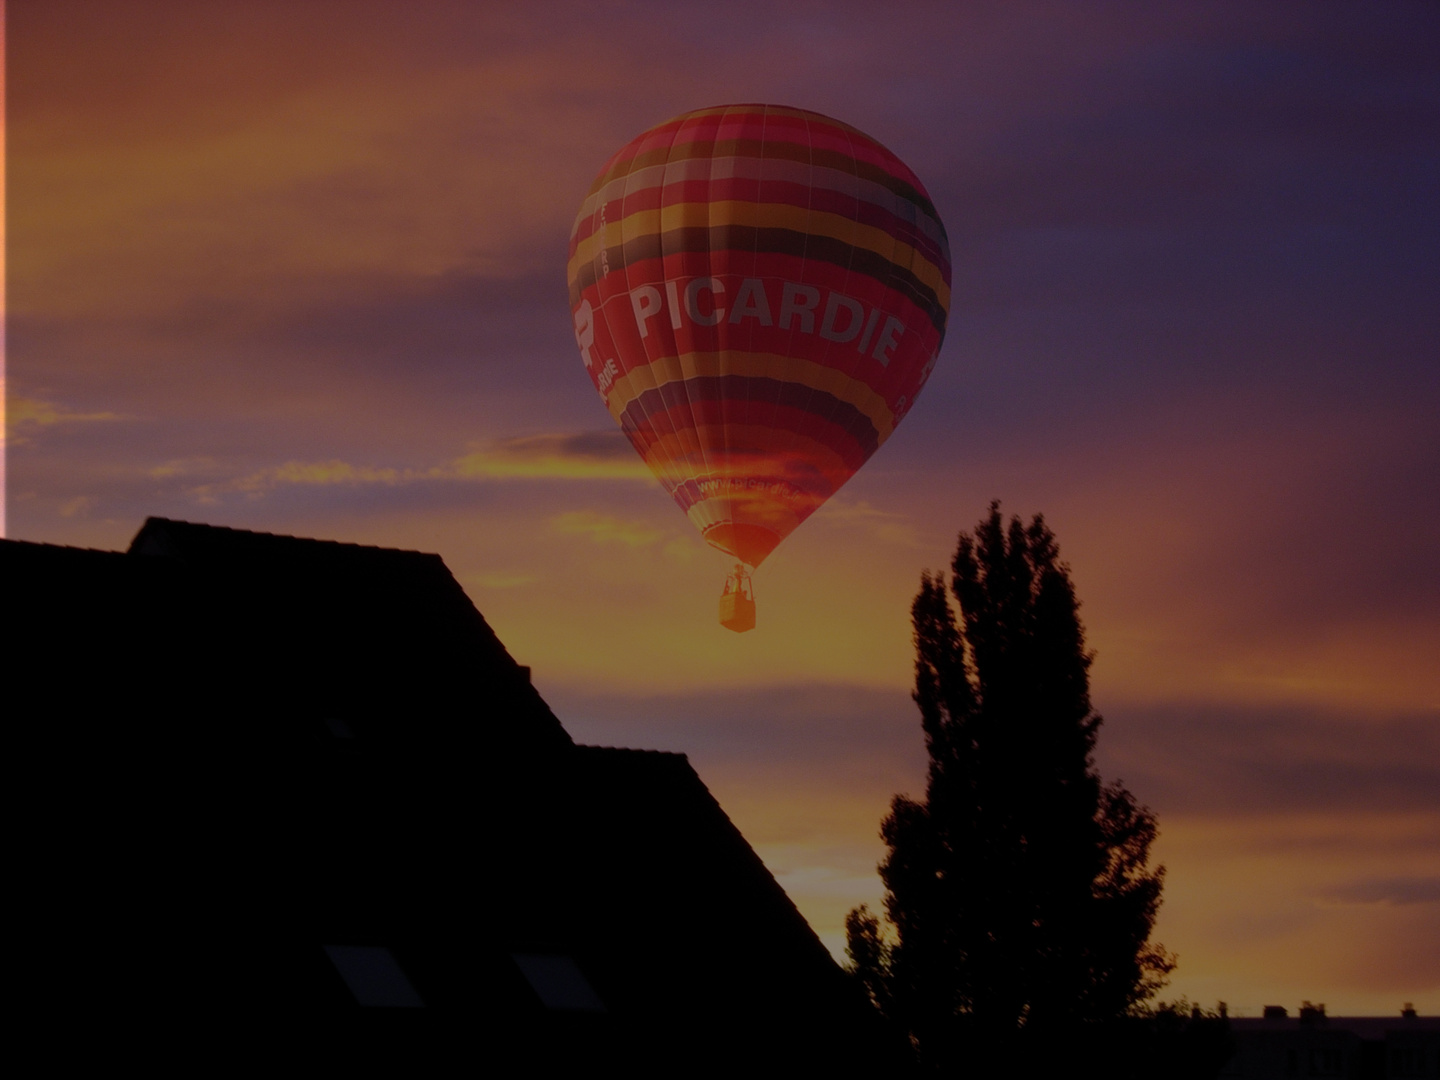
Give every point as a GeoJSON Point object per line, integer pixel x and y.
{"type": "Point", "coordinates": [200, 525]}
{"type": "Point", "coordinates": [633, 750]}
{"type": "Point", "coordinates": [59, 547]}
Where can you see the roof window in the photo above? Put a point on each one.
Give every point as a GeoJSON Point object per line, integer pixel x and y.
{"type": "Point", "coordinates": [558, 982]}
{"type": "Point", "coordinates": [373, 976]}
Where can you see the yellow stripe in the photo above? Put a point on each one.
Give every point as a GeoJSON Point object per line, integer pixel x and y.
{"type": "Point", "coordinates": [789, 369]}
{"type": "Point", "coordinates": [766, 216]}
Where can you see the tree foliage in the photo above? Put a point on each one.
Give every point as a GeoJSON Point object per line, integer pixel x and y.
{"type": "Point", "coordinates": [1019, 892]}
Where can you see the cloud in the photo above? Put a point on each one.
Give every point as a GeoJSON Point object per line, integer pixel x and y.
{"type": "Point", "coordinates": [328, 472]}
{"type": "Point", "coordinates": [1395, 890]}
{"type": "Point", "coordinates": [22, 414]}
{"type": "Point", "coordinates": [885, 525]}
{"type": "Point", "coordinates": [1276, 907]}
{"type": "Point", "coordinates": [1224, 759]}
{"type": "Point", "coordinates": [817, 726]}
{"type": "Point", "coordinates": [312, 473]}
{"type": "Point", "coordinates": [605, 529]}
{"type": "Point", "coordinates": [583, 456]}
{"type": "Point", "coordinates": [181, 467]}
{"type": "Point", "coordinates": [588, 455]}
{"type": "Point", "coordinates": [363, 141]}
{"type": "Point", "coordinates": [499, 581]}
{"type": "Point", "coordinates": [79, 505]}
{"type": "Point", "coordinates": [1192, 761]}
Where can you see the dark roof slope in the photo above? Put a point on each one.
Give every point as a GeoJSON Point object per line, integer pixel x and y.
{"type": "Point", "coordinates": [700, 918]}
{"type": "Point", "coordinates": [80, 628]}
{"type": "Point", "coordinates": [384, 639]}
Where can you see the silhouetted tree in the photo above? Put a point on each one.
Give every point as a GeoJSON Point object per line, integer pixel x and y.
{"type": "Point", "coordinates": [1019, 890]}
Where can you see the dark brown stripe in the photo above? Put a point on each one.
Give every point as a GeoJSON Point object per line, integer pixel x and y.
{"type": "Point", "coordinates": [784, 193]}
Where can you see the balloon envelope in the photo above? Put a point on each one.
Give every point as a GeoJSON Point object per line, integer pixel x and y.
{"type": "Point", "coordinates": [759, 294]}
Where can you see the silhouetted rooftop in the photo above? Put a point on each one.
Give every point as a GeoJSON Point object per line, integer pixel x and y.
{"type": "Point", "coordinates": [267, 771]}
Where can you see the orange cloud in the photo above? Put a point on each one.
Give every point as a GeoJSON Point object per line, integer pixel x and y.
{"type": "Point", "coordinates": [32, 412]}
{"type": "Point", "coordinates": [886, 526]}
{"type": "Point", "coordinates": [606, 529]}
{"type": "Point", "coordinates": [499, 581]}
{"type": "Point", "coordinates": [256, 484]}
{"type": "Point", "coordinates": [344, 155]}
{"type": "Point", "coordinates": [1275, 908]}
{"type": "Point", "coordinates": [584, 456]}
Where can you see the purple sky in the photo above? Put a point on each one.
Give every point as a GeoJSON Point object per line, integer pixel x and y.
{"type": "Point", "coordinates": [300, 267]}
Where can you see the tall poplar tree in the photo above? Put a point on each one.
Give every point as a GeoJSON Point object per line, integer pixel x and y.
{"type": "Point", "coordinates": [1019, 891]}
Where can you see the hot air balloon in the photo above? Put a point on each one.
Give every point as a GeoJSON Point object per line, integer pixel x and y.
{"type": "Point", "coordinates": [759, 294]}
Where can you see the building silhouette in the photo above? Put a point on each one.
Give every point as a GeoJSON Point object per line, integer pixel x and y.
{"type": "Point", "coordinates": [276, 785]}
{"type": "Point", "coordinates": [1278, 1046]}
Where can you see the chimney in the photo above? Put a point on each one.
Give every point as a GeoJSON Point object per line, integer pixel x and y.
{"type": "Point", "coordinates": [1276, 1012]}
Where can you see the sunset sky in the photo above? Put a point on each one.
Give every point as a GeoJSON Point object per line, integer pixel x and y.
{"type": "Point", "coordinates": [300, 267]}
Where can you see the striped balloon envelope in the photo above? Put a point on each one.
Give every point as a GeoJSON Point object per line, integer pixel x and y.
{"type": "Point", "coordinates": [759, 294]}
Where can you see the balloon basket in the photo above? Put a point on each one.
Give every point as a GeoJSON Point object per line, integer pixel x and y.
{"type": "Point", "coordinates": [737, 602]}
